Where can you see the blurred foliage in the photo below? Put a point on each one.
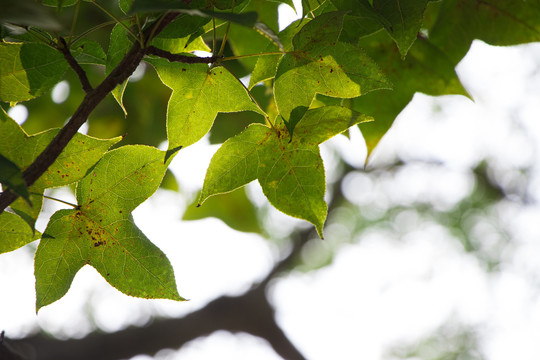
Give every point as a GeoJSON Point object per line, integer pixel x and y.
{"type": "Point", "coordinates": [234, 209]}
{"type": "Point", "coordinates": [452, 341]}
{"type": "Point", "coordinates": [471, 219]}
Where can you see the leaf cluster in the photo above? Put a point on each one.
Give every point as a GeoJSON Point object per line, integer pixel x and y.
{"type": "Point", "coordinates": [344, 63]}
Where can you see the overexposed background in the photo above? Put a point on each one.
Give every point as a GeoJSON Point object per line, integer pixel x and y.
{"type": "Point", "coordinates": [384, 288]}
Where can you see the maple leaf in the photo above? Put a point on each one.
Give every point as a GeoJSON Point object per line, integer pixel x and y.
{"type": "Point", "coordinates": [100, 232]}
{"type": "Point", "coordinates": [291, 172]}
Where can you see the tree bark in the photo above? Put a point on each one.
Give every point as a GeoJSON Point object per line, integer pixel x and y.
{"type": "Point", "coordinates": [250, 313]}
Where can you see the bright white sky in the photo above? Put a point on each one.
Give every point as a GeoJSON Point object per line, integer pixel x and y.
{"type": "Point", "coordinates": [378, 292]}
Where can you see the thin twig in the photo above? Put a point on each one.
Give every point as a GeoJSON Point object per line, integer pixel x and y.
{"type": "Point", "coordinates": [156, 26]}
{"type": "Point", "coordinates": [152, 50]}
{"type": "Point", "coordinates": [97, 27]}
{"type": "Point", "coordinates": [224, 40]}
{"type": "Point", "coordinates": [228, 58]}
{"type": "Point", "coordinates": [141, 39]}
{"type": "Point", "coordinates": [64, 48]}
{"type": "Point", "coordinates": [214, 35]}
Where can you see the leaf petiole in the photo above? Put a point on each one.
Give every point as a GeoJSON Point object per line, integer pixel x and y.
{"type": "Point", "coordinates": [75, 16]}
{"type": "Point", "coordinates": [138, 20]}
{"type": "Point", "coordinates": [154, 29]}
{"type": "Point", "coordinates": [97, 27]}
{"type": "Point", "coordinates": [214, 36]}
{"type": "Point", "coordinates": [224, 41]}
{"type": "Point", "coordinates": [55, 199]}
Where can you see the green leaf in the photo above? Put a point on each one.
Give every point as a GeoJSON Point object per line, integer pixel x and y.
{"type": "Point", "coordinates": [255, 40]}
{"type": "Point", "coordinates": [247, 41]}
{"type": "Point", "coordinates": [266, 65]}
{"type": "Point", "coordinates": [125, 5]}
{"type": "Point", "coordinates": [246, 19]}
{"type": "Point", "coordinates": [28, 70]}
{"type": "Point", "coordinates": [496, 22]}
{"type": "Point", "coordinates": [175, 38]}
{"type": "Point", "coordinates": [321, 64]}
{"type": "Point", "coordinates": [87, 51]}
{"type": "Point", "coordinates": [169, 182]}
{"type": "Point", "coordinates": [227, 125]}
{"type": "Point", "coordinates": [291, 173]}
{"type": "Point", "coordinates": [59, 3]}
{"type": "Point", "coordinates": [12, 177]}
{"type": "Point", "coordinates": [233, 208]}
{"type": "Point", "coordinates": [404, 20]}
{"type": "Point", "coordinates": [199, 94]}
{"type": "Point", "coordinates": [76, 159]}
{"type": "Point", "coordinates": [361, 19]}
{"type": "Point", "coordinates": [14, 232]}
{"type": "Point", "coordinates": [310, 5]}
{"type": "Point", "coordinates": [101, 232]}
{"type": "Point", "coordinates": [426, 69]}
{"type": "Point", "coordinates": [119, 46]}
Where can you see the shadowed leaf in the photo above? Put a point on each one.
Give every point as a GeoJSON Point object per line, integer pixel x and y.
{"type": "Point", "coordinates": [28, 70]}
{"type": "Point", "coordinates": [320, 64]}
{"type": "Point", "coordinates": [15, 232]}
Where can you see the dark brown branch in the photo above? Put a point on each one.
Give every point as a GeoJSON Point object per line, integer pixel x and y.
{"type": "Point", "coordinates": [64, 48]}
{"type": "Point", "coordinates": [250, 313]}
{"type": "Point", "coordinates": [123, 71]}
{"type": "Point", "coordinates": [152, 50]}
{"type": "Point", "coordinates": [6, 351]}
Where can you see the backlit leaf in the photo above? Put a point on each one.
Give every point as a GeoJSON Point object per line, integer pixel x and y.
{"type": "Point", "coordinates": [101, 231]}
{"type": "Point", "coordinates": [266, 65]}
{"type": "Point", "coordinates": [290, 173]}
{"type": "Point", "coordinates": [175, 38]}
{"type": "Point", "coordinates": [199, 94]}
{"type": "Point", "coordinates": [28, 70]}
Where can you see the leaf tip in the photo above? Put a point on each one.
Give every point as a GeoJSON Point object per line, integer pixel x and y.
{"type": "Point", "coordinates": [320, 231]}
